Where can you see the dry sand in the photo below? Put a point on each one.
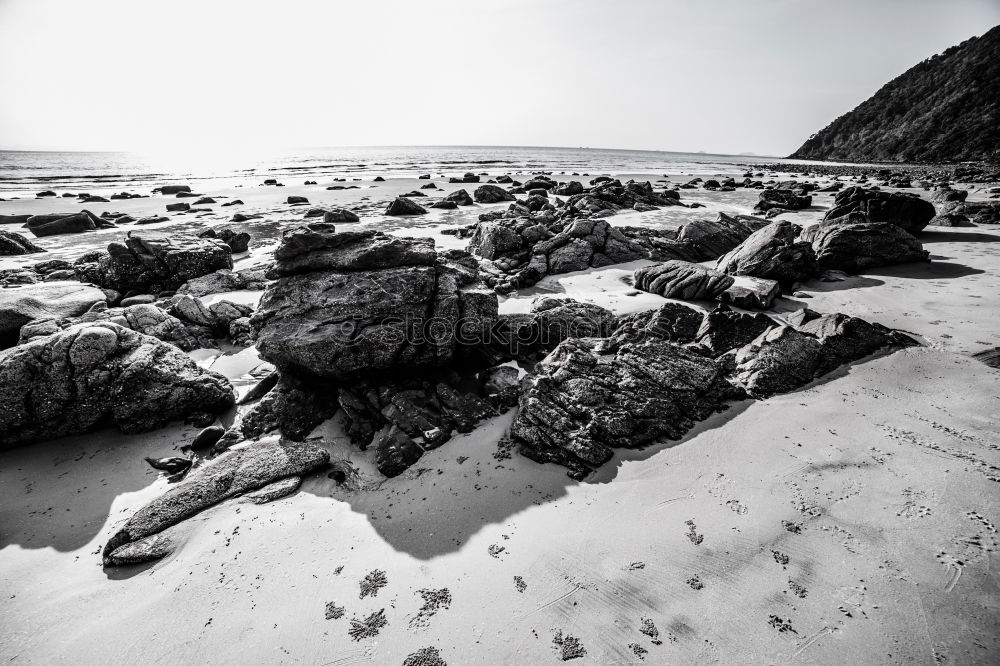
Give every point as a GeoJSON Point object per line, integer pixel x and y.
{"type": "Point", "coordinates": [853, 521]}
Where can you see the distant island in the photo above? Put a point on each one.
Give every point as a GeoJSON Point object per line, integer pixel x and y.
{"type": "Point", "coordinates": [945, 109]}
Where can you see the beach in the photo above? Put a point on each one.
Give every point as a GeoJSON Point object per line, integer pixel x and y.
{"type": "Point", "coordinates": [852, 520]}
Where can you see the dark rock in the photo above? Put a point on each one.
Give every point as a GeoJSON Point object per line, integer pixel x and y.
{"type": "Point", "coordinates": [460, 197]}
{"type": "Point", "coordinates": [445, 205]}
{"type": "Point", "coordinates": [489, 194]}
{"type": "Point", "coordinates": [294, 407]}
{"type": "Point", "coordinates": [15, 244]}
{"type": "Point", "coordinates": [977, 212]}
{"type": "Point", "coordinates": [66, 223]}
{"type": "Point", "coordinates": [581, 405]}
{"type": "Point", "coordinates": [238, 241]}
{"type": "Point", "coordinates": [907, 211]}
{"type": "Point", "coordinates": [178, 207]}
{"type": "Point", "coordinates": [173, 189]}
{"type": "Point", "coordinates": [403, 206]}
{"type": "Point", "coordinates": [723, 330]}
{"type": "Point", "coordinates": [73, 380]}
{"type": "Point", "coordinates": [853, 243]}
{"type": "Point", "coordinates": [295, 200]}
{"type": "Point", "coordinates": [340, 216]}
{"type": "Point", "coordinates": [20, 305]}
{"type": "Point", "coordinates": [237, 472]}
{"type": "Point", "coordinates": [773, 253]}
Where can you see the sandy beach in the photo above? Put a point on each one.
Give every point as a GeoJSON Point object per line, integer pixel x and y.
{"type": "Point", "coordinates": [850, 521]}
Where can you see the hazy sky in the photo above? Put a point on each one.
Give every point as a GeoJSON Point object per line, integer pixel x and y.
{"type": "Point", "coordinates": [720, 76]}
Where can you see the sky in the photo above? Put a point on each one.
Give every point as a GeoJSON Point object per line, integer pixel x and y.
{"type": "Point", "coordinates": [726, 76]}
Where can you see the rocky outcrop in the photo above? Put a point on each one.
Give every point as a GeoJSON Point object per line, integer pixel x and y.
{"type": "Point", "coordinates": [774, 253]}
{"type": "Point", "coordinates": [20, 305]}
{"type": "Point", "coordinates": [238, 241]}
{"type": "Point", "coordinates": [854, 243]}
{"type": "Point", "coordinates": [907, 211]}
{"type": "Point", "coordinates": [73, 380]}
{"type": "Point", "coordinates": [237, 472]}
{"type": "Point", "coordinates": [359, 303]}
{"type": "Point", "coordinates": [582, 405]}
{"type": "Point", "coordinates": [781, 199]}
{"type": "Point", "coordinates": [53, 224]}
{"type": "Point", "coordinates": [149, 262]}
{"type": "Point", "coordinates": [12, 244]}
{"type": "Point", "coordinates": [682, 280]}
{"type": "Point", "coordinates": [223, 280]}
{"type": "Point", "coordinates": [977, 212]}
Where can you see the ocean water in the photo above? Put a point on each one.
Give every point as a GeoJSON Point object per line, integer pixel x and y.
{"type": "Point", "coordinates": [25, 172]}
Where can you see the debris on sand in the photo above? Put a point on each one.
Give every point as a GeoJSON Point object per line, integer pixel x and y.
{"type": "Point", "coordinates": [635, 566]}
{"type": "Point", "coordinates": [367, 628]}
{"type": "Point", "coordinates": [333, 611]}
{"type": "Point", "coordinates": [780, 558]}
{"type": "Point", "coordinates": [692, 533]}
{"type": "Point", "coordinates": [373, 581]}
{"type": "Point", "coordinates": [797, 589]}
{"type": "Point", "coordinates": [570, 647]}
{"type": "Point", "coordinates": [794, 528]}
{"type": "Point", "coordinates": [695, 582]}
{"type": "Point", "coordinates": [428, 656]}
{"type": "Point", "coordinates": [504, 448]}
{"type": "Point", "coordinates": [434, 600]}
{"type": "Point", "coordinates": [650, 630]}
{"type": "Point", "coordinates": [781, 625]}
{"type": "Point", "coordinates": [496, 550]}
{"type": "Point", "coordinates": [638, 650]}
{"type": "Point", "coordinates": [519, 584]}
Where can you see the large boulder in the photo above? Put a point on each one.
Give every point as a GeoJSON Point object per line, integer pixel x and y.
{"type": "Point", "coordinates": [50, 300]}
{"type": "Point", "coordinates": [357, 303]}
{"type": "Point", "coordinates": [682, 280]}
{"type": "Point", "coordinates": [237, 472]}
{"type": "Point", "coordinates": [149, 262]}
{"type": "Point", "coordinates": [460, 198]}
{"type": "Point", "coordinates": [491, 194]}
{"type": "Point", "coordinates": [903, 209]}
{"type": "Point", "coordinates": [15, 244]}
{"type": "Point", "coordinates": [977, 212]}
{"type": "Point", "coordinates": [581, 405]}
{"type": "Point", "coordinates": [772, 252]}
{"type": "Point", "coordinates": [854, 243]}
{"type": "Point", "coordinates": [53, 224]}
{"type": "Point", "coordinates": [74, 380]}
{"type": "Point", "coordinates": [710, 239]}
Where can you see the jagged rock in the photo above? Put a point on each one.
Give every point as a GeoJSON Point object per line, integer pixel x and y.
{"type": "Point", "coordinates": [776, 199]}
{"type": "Point", "coordinates": [224, 280]}
{"type": "Point", "coordinates": [990, 357]}
{"type": "Point", "coordinates": [723, 330]}
{"type": "Point", "coordinates": [672, 322]}
{"type": "Point", "coordinates": [294, 407]}
{"type": "Point", "coordinates": [355, 303]}
{"type": "Point", "coordinates": [949, 220]}
{"type": "Point", "coordinates": [395, 451]}
{"type": "Point", "coordinates": [568, 189]}
{"type": "Point", "coordinates": [151, 262]}
{"type": "Point", "coordinates": [489, 194]}
{"type": "Point", "coordinates": [445, 205]}
{"type": "Point", "coordinates": [682, 280]}
{"type": "Point", "coordinates": [20, 305]}
{"type": "Point", "coordinates": [947, 195]}
{"type": "Point", "coordinates": [16, 219]}
{"type": "Point", "coordinates": [72, 380]}
{"type": "Point", "coordinates": [710, 239]}
{"type": "Point", "coordinates": [235, 473]}
{"type": "Point", "coordinates": [296, 200]}
{"type": "Point", "coordinates": [560, 318]}
{"type": "Point", "coordinates": [179, 207]}
{"type": "Point", "coordinates": [977, 212]}
{"type": "Point", "coordinates": [15, 244]}
{"type": "Point", "coordinates": [403, 206]}
{"type": "Point", "coordinates": [581, 405]}
{"type": "Point", "coordinates": [853, 243]}
{"type": "Point", "coordinates": [460, 197]}
{"type": "Point", "coordinates": [905, 210]}
{"type": "Point", "coordinates": [53, 224]}
{"type": "Point", "coordinates": [238, 241]}
{"type": "Point", "coordinates": [773, 253]}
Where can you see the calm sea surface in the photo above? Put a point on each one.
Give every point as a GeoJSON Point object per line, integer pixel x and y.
{"type": "Point", "coordinates": [28, 171]}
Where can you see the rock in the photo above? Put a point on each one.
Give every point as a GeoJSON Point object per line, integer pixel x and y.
{"type": "Point", "coordinates": [672, 322]}
{"type": "Point", "coordinates": [781, 199]}
{"type": "Point", "coordinates": [491, 240]}
{"type": "Point", "coordinates": [16, 219]}
{"type": "Point", "coordinates": [905, 210]}
{"type": "Point", "coordinates": [355, 303]}
{"type": "Point", "coordinates": [73, 380]}
{"type": "Point", "coordinates": [947, 195]}
{"type": "Point", "coordinates": [445, 205]}
{"type": "Point", "coordinates": [207, 438]}
{"type": "Point", "coordinates": [294, 407]}
{"type": "Point", "coordinates": [15, 244]}
{"type": "Point", "coordinates": [295, 200]}
{"type": "Point", "coordinates": [178, 207]}
{"type": "Point", "coordinates": [773, 253]}
{"type": "Point", "coordinates": [235, 473]}
{"type": "Point", "coordinates": [460, 197]}
{"type": "Point", "coordinates": [581, 405]}
{"type": "Point", "coordinates": [150, 262]}
{"type": "Point", "coordinates": [66, 223]}
{"type": "Point", "coordinates": [204, 201]}
{"type": "Point", "coordinates": [46, 193]}
{"type": "Point", "coordinates": [224, 280]}
{"type": "Point", "coordinates": [340, 216]}
{"type": "Point", "coordinates": [238, 241]}
{"type": "Point", "coordinates": [853, 243]}
{"type": "Point", "coordinates": [710, 239]}
{"type": "Point", "coordinates": [489, 194]}
{"type": "Point", "coordinates": [682, 280]}
{"type": "Point", "coordinates": [403, 206]}
{"type": "Point", "coordinates": [990, 357]}
{"type": "Point", "coordinates": [978, 212]}
{"type": "Point", "coordinates": [723, 330]}
{"type": "Point", "coordinates": [153, 219]}
{"type": "Point", "coordinates": [173, 189]}
{"type": "Point", "coordinates": [949, 220]}
{"type": "Point", "coordinates": [568, 189]}
{"type": "Point", "coordinates": [395, 451]}
{"type": "Point", "coordinates": [20, 305]}
{"type": "Point", "coordinates": [751, 293]}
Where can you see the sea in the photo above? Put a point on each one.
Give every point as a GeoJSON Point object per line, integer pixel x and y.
{"type": "Point", "coordinates": [24, 172]}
